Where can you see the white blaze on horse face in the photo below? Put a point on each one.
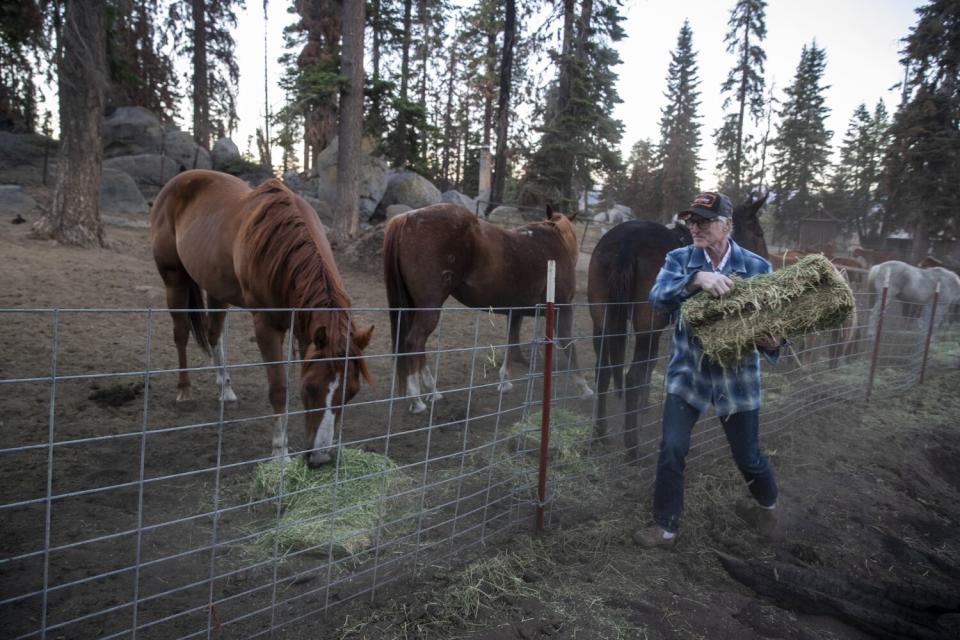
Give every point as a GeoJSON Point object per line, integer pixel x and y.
{"type": "Point", "coordinates": [323, 439]}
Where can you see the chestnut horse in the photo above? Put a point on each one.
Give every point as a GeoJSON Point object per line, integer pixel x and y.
{"type": "Point", "coordinates": [444, 250]}
{"type": "Point", "coordinates": [259, 248]}
{"type": "Point", "coordinates": [623, 268]}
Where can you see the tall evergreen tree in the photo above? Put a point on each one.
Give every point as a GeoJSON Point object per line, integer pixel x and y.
{"type": "Point", "coordinates": [744, 90]}
{"type": "Point", "coordinates": [642, 190]}
{"type": "Point", "coordinates": [802, 146]}
{"type": "Point", "coordinates": [853, 193]}
{"type": "Point", "coordinates": [680, 128]}
{"type": "Point", "coordinates": [23, 43]}
{"type": "Point", "coordinates": [579, 136]}
{"type": "Point", "coordinates": [203, 31]}
{"type": "Point", "coordinates": [922, 165]}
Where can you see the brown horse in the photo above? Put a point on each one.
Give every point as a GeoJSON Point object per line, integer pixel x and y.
{"type": "Point", "coordinates": [623, 268]}
{"type": "Point", "coordinates": [259, 248]}
{"type": "Point", "coordinates": [432, 253]}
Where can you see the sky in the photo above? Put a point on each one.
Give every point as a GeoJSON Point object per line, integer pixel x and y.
{"type": "Point", "coordinates": [861, 39]}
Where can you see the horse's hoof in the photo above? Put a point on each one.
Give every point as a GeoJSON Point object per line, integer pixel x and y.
{"type": "Point", "coordinates": [316, 459]}
{"type": "Point", "coordinates": [229, 397]}
{"type": "Point", "coordinates": [587, 393]}
{"type": "Point", "coordinates": [417, 407]}
{"type": "Point", "coordinates": [505, 387]}
{"type": "Point", "coordinates": [435, 396]}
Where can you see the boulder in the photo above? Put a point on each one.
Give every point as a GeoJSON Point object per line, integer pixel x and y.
{"type": "Point", "coordinates": [456, 197]}
{"type": "Point", "coordinates": [294, 180]}
{"type": "Point", "coordinates": [324, 210]}
{"type": "Point", "coordinates": [515, 216]}
{"type": "Point", "coordinates": [411, 189]}
{"type": "Point", "coordinates": [373, 177]}
{"type": "Point", "coordinates": [15, 199]}
{"type": "Point", "coordinates": [180, 147]}
{"type": "Point", "coordinates": [397, 209]}
{"type": "Point", "coordinates": [119, 193]}
{"type": "Point", "coordinates": [131, 131]}
{"type": "Point", "coordinates": [615, 214]}
{"type": "Point", "coordinates": [21, 158]}
{"type": "Point", "coordinates": [224, 153]}
{"type": "Point", "coordinates": [149, 170]}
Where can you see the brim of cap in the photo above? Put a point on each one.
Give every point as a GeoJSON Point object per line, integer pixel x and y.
{"type": "Point", "coordinates": [706, 213]}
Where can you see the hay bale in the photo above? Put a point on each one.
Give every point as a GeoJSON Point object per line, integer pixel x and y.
{"type": "Point", "coordinates": [809, 296]}
{"type": "Point", "coordinates": [336, 507]}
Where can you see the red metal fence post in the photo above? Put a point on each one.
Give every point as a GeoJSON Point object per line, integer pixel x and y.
{"type": "Point", "coordinates": [876, 342]}
{"type": "Point", "coordinates": [926, 346]}
{"type": "Point", "coordinates": [547, 392]}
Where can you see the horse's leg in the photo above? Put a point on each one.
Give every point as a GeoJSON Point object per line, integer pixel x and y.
{"type": "Point", "coordinates": [178, 297]}
{"type": "Point", "coordinates": [421, 326]}
{"type": "Point", "coordinates": [637, 383]}
{"type": "Point", "coordinates": [270, 340]}
{"type": "Point", "coordinates": [430, 384]}
{"type": "Point", "coordinates": [214, 332]}
{"type": "Point", "coordinates": [565, 335]}
{"type": "Point", "coordinates": [602, 367]}
{"type": "Point", "coordinates": [514, 322]}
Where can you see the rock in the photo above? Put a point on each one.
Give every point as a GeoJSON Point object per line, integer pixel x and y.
{"type": "Point", "coordinates": [323, 209]}
{"type": "Point", "coordinates": [15, 199]}
{"type": "Point", "coordinates": [296, 182]}
{"type": "Point", "coordinates": [373, 178]}
{"type": "Point", "coordinates": [224, 152]}
{"type": "Point", "coordinates": [514, 216]}
{"type": "Point", "coordinates": [458, 198]}
{"type": "Point", "coordinates": [411, 189]}
{"type": "Point", "coordinates": [397, 209]}
{"type": "Point", "coordinates": [149, 170]}
{"type": "Point", "coordinates": [131, 131]}
{"type": "Point", "coordinates": [21, 158]}
{"type": "Point", "coordinates": [119, 193]}
{"type": "Point", "coordinates": [616, 214]}
{"type": "Point", "coordinates": [180, 147]}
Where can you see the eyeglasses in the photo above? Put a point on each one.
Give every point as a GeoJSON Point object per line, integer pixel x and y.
{"type": "Point", "coordinates": [701, 223]}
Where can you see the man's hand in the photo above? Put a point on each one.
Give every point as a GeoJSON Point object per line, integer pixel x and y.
{"type": "Point", "coordinates": [715, 284]}
{"type": "Point", "coordinates": [769, 343]}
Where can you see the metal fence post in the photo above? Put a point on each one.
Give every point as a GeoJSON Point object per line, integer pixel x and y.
{"type": "Point", "coordinates": [547, 391]}
{"type": "Point", "coordinates": [876, 341]}
{"type": "Point", "coordinates": [926, 346]}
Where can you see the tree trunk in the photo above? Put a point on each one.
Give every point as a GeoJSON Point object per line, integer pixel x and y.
{"type": "Point", "coordinates": [351, 122]}
{"type": "Point", "coordinates": [742, 95]}
{"type": "Point", "coordinates": [201, 90]}
{"type": "Point", "coordinates": [267, 160]}
{"type": "Point", "coordinates": [74, 216]}
{"type": "Point", "coordinates": [448, 127]}
{"type": "Point", "coordinates": [404, 85]}
{"type": "Point", "coordinates": [376, 107]}
{"type": "Point", "coordinates": [503, 105]}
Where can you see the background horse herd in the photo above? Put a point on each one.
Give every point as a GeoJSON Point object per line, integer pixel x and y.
{"type": "Point", "coordinates": [265, 249]}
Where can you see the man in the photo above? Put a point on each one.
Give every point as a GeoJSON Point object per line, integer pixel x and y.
{"type": "Point", "coordinates": [694, 382]}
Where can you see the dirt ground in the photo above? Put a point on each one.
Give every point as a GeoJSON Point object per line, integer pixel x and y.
{"type": "Point", "coordinates": [869, 492]}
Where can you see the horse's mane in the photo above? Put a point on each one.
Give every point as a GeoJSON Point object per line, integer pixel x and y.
{"type": "Point", "coordinates": [283, 249]}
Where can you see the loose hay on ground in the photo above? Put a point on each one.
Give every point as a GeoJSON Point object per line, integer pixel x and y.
{"type": "Point", "coordinates": [808, 296]}
{"type": "Point", "coordinates": [337, 507]}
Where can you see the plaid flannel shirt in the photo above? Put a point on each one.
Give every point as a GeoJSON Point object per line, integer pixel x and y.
{"type": "Point", "coordinates": [690, 374]}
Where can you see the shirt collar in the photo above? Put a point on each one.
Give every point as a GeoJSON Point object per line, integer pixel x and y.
{"type": "Point", "coordinates": [735, 262]}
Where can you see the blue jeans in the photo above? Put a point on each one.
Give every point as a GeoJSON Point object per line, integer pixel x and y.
{"type": "Point", "coordinates": [742, 430]}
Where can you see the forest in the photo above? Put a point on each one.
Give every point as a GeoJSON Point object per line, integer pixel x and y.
{"type": "Point", "coordinates": [435, 85]}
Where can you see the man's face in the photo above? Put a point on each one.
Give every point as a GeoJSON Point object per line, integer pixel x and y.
{"type": "Point", "coordinates": [706, 233]}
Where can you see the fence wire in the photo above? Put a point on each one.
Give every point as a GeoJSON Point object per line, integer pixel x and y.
{"type": "Point", "coordinates": [127, 514]}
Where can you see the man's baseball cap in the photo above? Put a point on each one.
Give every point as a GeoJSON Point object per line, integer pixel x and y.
{"type": "Point", "coordinates": [710, 205]}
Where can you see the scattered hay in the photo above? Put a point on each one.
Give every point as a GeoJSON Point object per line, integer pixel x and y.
{"type": "Point", "coordinates": [337, 507]}
{"type": "Point", "coordinates": [808, 296]}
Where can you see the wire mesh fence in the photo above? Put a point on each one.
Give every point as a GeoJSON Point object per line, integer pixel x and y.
{"type": "Point", "coordinates": [128, 514]}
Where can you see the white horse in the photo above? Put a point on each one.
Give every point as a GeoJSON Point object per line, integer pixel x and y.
{"type": "Point", "coordinates": [912, 286]}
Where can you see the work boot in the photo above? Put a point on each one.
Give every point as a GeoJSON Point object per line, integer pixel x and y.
{"type": "Point", "coordinates": [765, 521]}
{"type": "Point", "coordinates": [653, 537]}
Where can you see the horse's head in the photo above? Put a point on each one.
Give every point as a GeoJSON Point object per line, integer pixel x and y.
{"type": "Point", "coordinates": [746, 226]}
{"type": "Point", "coordinates": [564, 224]}
{"type": "Point", "coordinates": [329, 379]}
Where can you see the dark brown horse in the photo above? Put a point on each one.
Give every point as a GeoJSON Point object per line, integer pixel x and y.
{"type": "Point", "coordinates": [623, 268]}
{"type": "Point", "coordinates": [444, 250]}
{"type": "Point", "coordinates": [259, 248]}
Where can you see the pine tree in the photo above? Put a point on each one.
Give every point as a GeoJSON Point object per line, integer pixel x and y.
{"type": "Point", "coordinates": [579, 136]}
{"type": "Point", "coordinates": [853, 193]}
{"type": "Point", "coordinates": [680, 128]}
{"type": "Point", "coordinates": [802, 146]}
{"type": "Point", "coordinates": [202, 29]}
{"type": "Point", "coordinates": [23, 45]}
{"type": "Point", "coordinates": [744, 87]}
{"type": "Point", "coordinates": [922, 164]}
{"type": "Point", "coordinates": [642, 189]}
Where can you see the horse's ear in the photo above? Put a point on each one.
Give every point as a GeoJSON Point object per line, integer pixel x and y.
{"type": "Point", "coordinates": [572, 216]}
{"type": "Point", "coordinates": [758, 205]}
{"type": "Point", "coordinates": [320, 337]}
{"type": "Point", "coordinates": [362, 338]}
{"type": "Point", "coordinates": [549, 212]}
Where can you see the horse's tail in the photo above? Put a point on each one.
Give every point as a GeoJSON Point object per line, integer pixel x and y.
{"type": "Point", "coordinates": [198, 319]}
{"type": "Point", "coordinates": [620, 284]}
{"type": "Point", "coordinates": [398, 296]}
